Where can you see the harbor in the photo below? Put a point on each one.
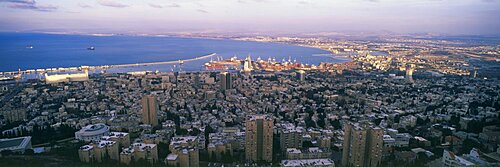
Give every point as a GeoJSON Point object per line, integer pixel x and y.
{"type": "Point", "coordinates": [6, 76]}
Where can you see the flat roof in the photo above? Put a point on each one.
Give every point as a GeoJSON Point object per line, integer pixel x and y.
{"type": "Point", "coordinates": [307, 162]}
{"type": "Point", "coordinates": [15, 143]}
{"type": "Point", "coordinates": [11, 143]}
{"type": "Point", "coordinates": [172, 157]}
{"type": "Point", "coordinates": [91, 128]}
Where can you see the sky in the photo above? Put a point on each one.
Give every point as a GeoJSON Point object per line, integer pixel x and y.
{"type": "Point", "coordinates": [454, 17]}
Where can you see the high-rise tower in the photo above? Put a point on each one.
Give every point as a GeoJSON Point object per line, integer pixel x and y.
{"type": "Point", "coordinates": [410, 68]}
{"type": "Point", "coordinates": [225, 81]}
{"type": "Point", "coordinates": [362, 146]}
{"type": "Point", "coordinates": [259, 138]}
{"type": "Point", "coordinates": [247, 66]}
{"type": "Point", "coordinates": [300, 75]}
{"type": "Point", "coordinates": [149, 110]}
{"type": "Point", "coordinates": [474, 73]}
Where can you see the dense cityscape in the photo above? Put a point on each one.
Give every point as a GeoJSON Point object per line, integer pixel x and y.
{"type": "Point", "coordinates": [249, 83]}
{"type": "Point", "coordinates": [422, 103]}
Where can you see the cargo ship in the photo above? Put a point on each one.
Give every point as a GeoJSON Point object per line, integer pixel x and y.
{"type": "Point", "coordinates": [232, 63]}
{"type": "Point", "coordinates": [213, 66]}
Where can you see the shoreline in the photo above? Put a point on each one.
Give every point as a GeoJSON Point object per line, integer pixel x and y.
{"type": "Point", "coordinates": [111, 66]}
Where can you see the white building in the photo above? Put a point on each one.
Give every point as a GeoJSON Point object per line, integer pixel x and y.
{"type": "Point", "coordinates": [389, 141]}
{"type": "Point", "coordinates": [247, 66]}
{"type": "Point", "coordinates": [308, 163]}
{"type": "Point", "coordinates": [56, 78]}
{"type": "Point", "coordinates": [92, 132]}
{"type": "Point", "coordinates": [402, 139]}
{"type": "Point", "coordinates": [451, 160]}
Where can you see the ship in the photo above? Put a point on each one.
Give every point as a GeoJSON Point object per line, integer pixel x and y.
{"type": "Point", "coordinates": [29, 47]}
{"type": "Point", "coordinates": [214, 66]}
{"type": "Point", "coordinates": [91, 48]}
{"type": "Point", "coordinates": [223, 64]}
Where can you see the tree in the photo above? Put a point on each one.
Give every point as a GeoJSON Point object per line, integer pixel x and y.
{"type": "Point", "coordinates": [335, 123]}
{"type": "Point", "coordinates": [208, 130]}
{"type": "Point", "coordinates": [195, 132]}
{"type": "Point", "coordinates": [455, 120]}
{"type": "Point", "coordinates": [421, 121]}
{"type": "Point", "coordinates": [396, 119]}
{"type": "Point", "coordinates": [307, 144]}
{"type": "Point", "coordinates": [179, 131]}
{"type": "Point", "coordinates": [213, 157]}
{"type": "Point", "coordinates": [309, 122]}
{"type": "Point", "coordinates": [377, 121]}
{"type": "Point", "coordinates": [29, 152]}
{"type": "Point", "coordinates": [276, 148]}
{"type": "Point", "coordinates": [475, 126]}
{"type": "Point", "coordinates": [163, 150]}
{"type": "Point", "coordinates": [468, 144]}
{"type": "Point", "coordinates": [6, 153]}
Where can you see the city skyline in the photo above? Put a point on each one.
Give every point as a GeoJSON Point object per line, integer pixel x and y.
{"type": "Point", "coordinates": [289, 83]}
{"type": "Point", "coordinates": [463, 17]}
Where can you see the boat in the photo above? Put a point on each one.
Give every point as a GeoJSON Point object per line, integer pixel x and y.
{"type": "Point", "coordinates": [91, 48]}
{"type": "Point", "coordinates": [29, 47]}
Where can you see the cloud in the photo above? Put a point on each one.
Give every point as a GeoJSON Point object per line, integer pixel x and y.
{"type": "Point", "coordinates": [48, 8]}
{"type": "Point", "coordinates": [111, 3]}
{"type": "Point", "coordinates": [29, 5]}
{"type": "Point", "coordinates": [173, 5]}
{"type": "Point", "coordinates": [303, 2]}
{"type": "Point", "coordinates": [245, 1]}
{"type": "Point", "coordinates": [202, 11]}
{"type": "Point", "coordinates": [20, 1]}
{"type": "Point", "coordinates": [72, 12]}
{"type": "Point", "coordinates": [83, 5]}
{"type": "Point", "coordinates": [155, 5]}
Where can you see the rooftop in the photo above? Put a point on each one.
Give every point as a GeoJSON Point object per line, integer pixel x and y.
{"type": "Point", "coordinates": [92, 128]}
{"type": "Point", "coordinates": [86, 147]}
{"type": "Point", "coordinates": [104, 143]}
{"type": "Point", "coordinates": [307, 162]}
{"type": "Point", "coordinates": [10, 142]}
{"type": "Point", "coordinates": [180, 140]}
{"type": "Point", "coordinates": [172, 157]}
{"type": "Point", "coordinates": [19, 142]}
{"type": "Point", "coordinates": [142, 146]}
{"type": "Point", "coordinates": [255, 117]}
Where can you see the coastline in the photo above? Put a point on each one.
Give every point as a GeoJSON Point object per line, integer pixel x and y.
{"type": "Point", "coordinates": [168, 36]}
{"type": "Point", "coordinates": [79, 67]}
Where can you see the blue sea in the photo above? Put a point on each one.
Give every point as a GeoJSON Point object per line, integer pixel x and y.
{"type": "Point", "coordinates": [53, 51]}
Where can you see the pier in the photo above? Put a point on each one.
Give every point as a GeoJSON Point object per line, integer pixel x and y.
{"type": "Point", "coordinates": [21, 72]}
{"type": "Point", "coordinates": [162, 63]}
